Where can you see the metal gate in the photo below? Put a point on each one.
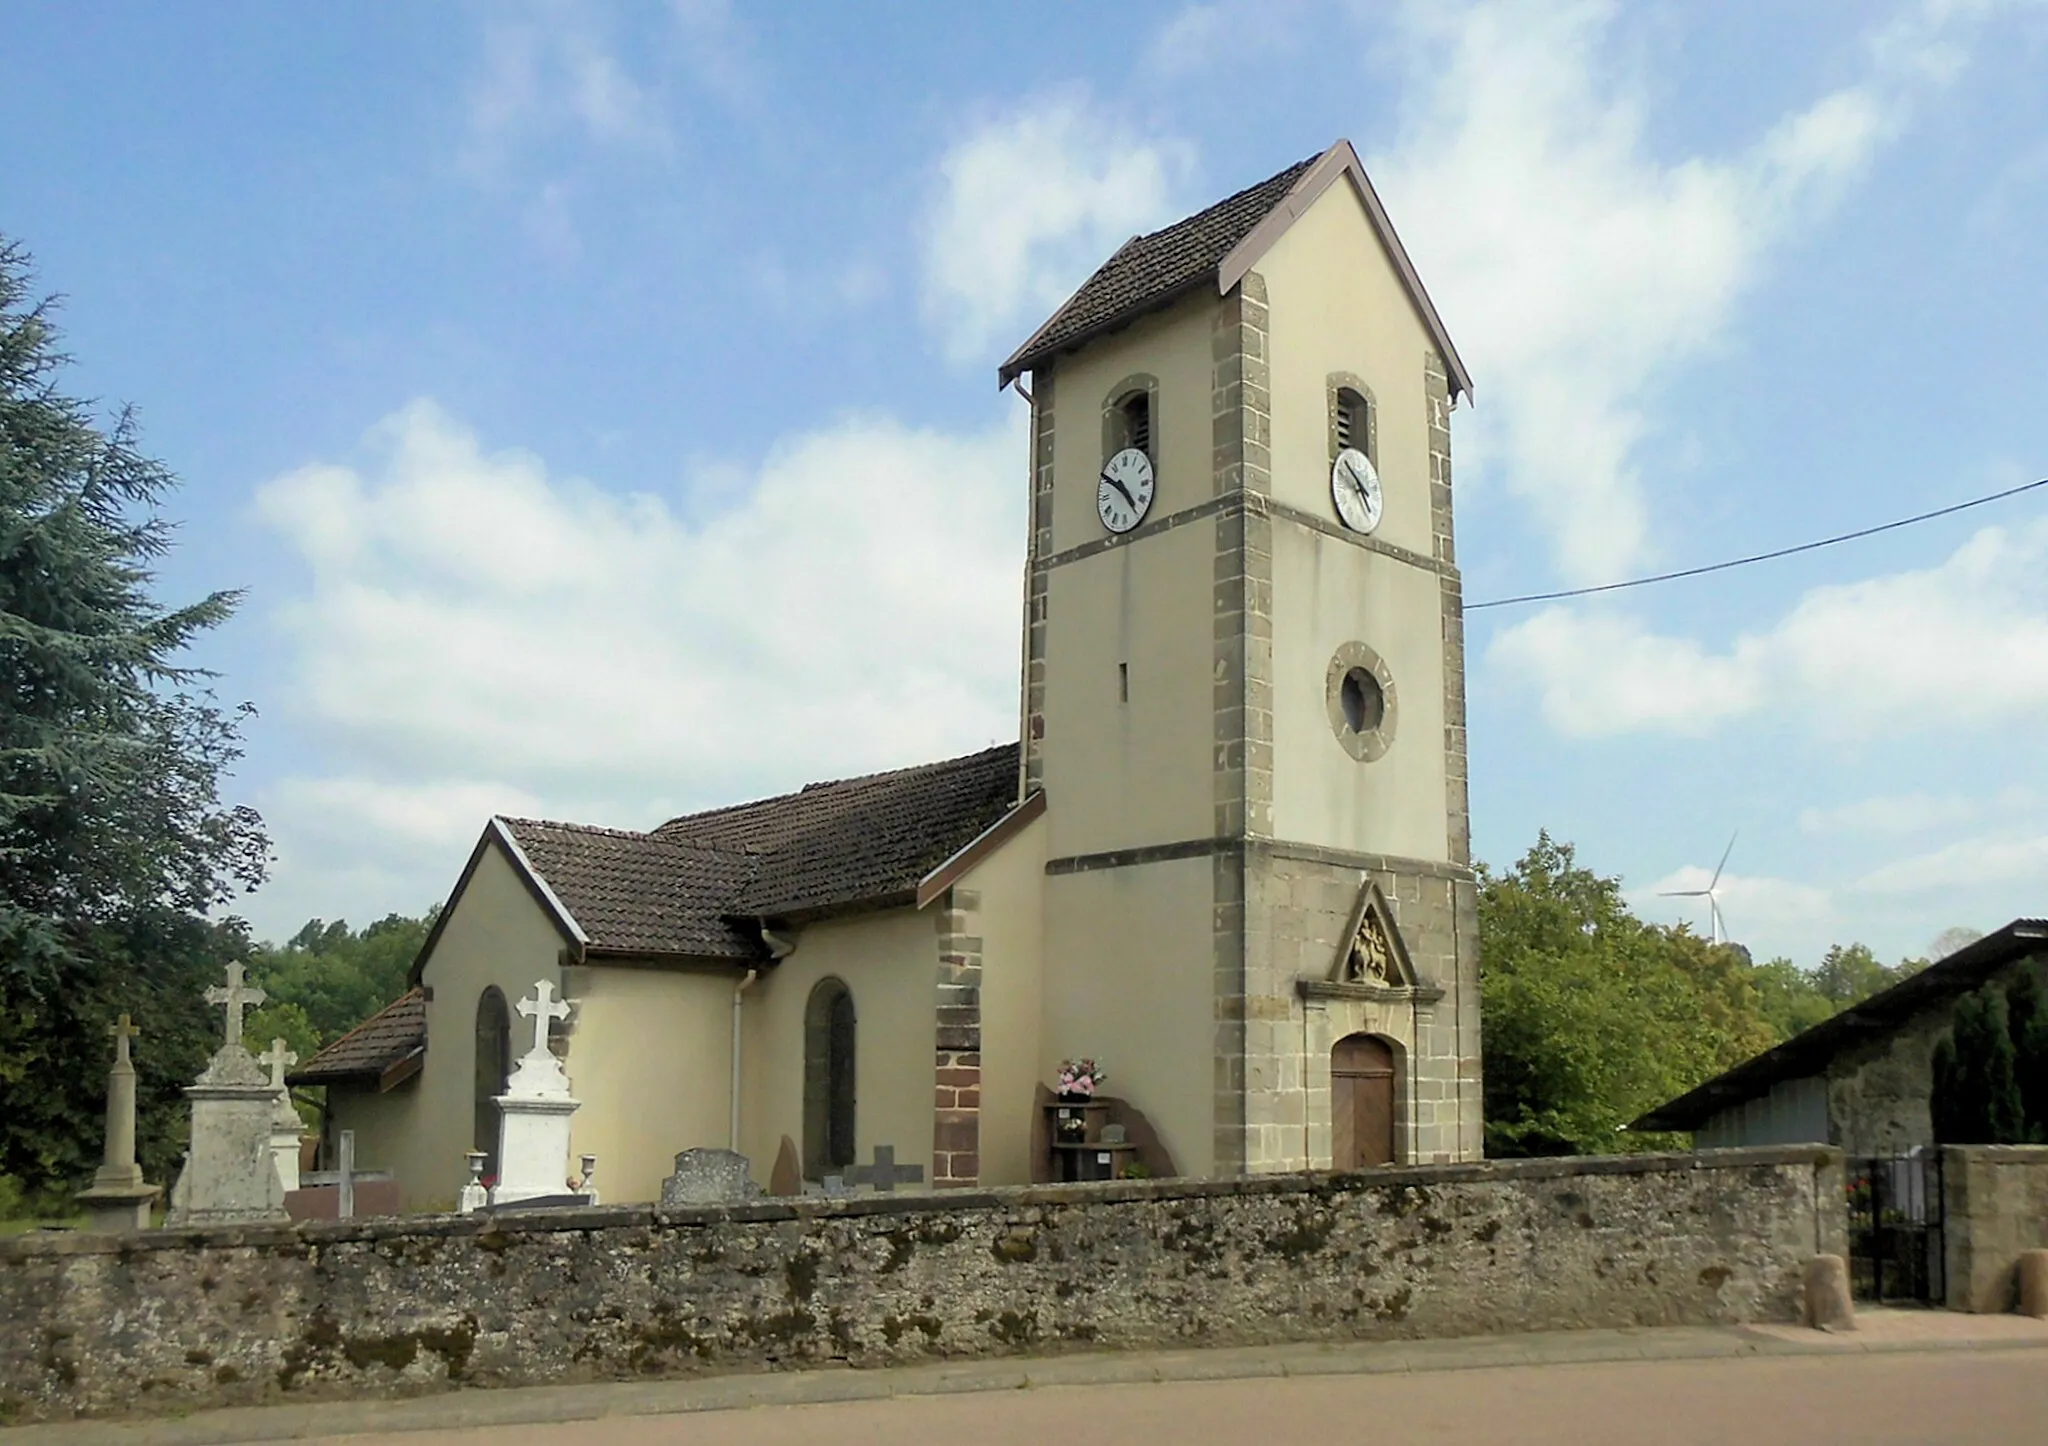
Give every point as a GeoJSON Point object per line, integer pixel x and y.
{"type": "Point", "coordinates": [1895, 1242]}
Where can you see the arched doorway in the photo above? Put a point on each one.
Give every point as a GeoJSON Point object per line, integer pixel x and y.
{"type": "Point", "coordinates": [829, 1106]}
{"type": "Point", "coordinates": [1361, 1102]}
{"type": "Point", "coordinates": [493, 1068]}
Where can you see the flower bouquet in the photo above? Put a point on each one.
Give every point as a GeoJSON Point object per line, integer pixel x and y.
{"type": "Point", "coordinates": [1079, 1079]}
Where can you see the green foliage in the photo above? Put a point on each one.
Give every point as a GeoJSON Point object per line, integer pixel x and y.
{"type": "Point", "coordinates": [1850, 974]}
{"type": "Point", "coordinates": [327, 978]}
{"type": "Point", "coordinates": [1791, 1000]}
{"type": "Point", "coordinates": [111, 753]}
{"type": "Point", "coordinates": [114, 842]}
{"type": "Point", "coordinates": [1976, 1099]}
{"type": "Point", "coordinates": [55, 1050]}
{"type": "Point", "coordinates": [1592, 1016]}
{"type": "Point", "coordinates": [2027, 1021]}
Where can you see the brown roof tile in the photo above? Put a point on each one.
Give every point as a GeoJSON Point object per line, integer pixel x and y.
{"type": "Point", "coordinates": [1149, 271]}
{"type": "Point", "coordinates": [365, 1052]}
{"type": "Point", "coordinates": [688, 887]}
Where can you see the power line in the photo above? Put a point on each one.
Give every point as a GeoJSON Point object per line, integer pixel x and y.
{"type": "Point", "coordinates": [1503, 602]}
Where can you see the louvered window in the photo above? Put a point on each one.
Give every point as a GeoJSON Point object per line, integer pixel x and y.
{"type": "Point", "coordinates": [1354, 422]}
{"type": "Point", "coordinates": [1137, 412]}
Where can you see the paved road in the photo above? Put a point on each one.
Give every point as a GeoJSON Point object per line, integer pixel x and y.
{"type": "Point", "coordinates": [1902, 1376]}
{"type": "Point", "coordinates": [1949, 1398]}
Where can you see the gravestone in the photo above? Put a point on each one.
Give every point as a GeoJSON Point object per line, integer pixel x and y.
{"type": "Point", "coordinates": [787, 1178]}
{"type": "Point", "coordinates": [534, 1111]}
{"type": "Point", "coordinates": [230, 1173]}
{"type": "Point", "coordinates": [119, 1199]}
{"type": "Point", "coordinates": [885, 1174]}
{"type": "Point", "coordinates": [709, 1177]}
{"type": "Point", "coordinates": [285, 1124]}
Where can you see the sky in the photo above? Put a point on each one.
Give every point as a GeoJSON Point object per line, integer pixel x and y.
{"type": "Point", "coordinates": [596, 401]}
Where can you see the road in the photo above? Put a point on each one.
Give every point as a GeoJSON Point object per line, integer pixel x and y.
{"type": "Point", "coordinates": [1951, 1398]}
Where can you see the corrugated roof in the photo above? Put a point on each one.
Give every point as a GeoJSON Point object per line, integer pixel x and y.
{"type": "Point", "coordinates": [384, 1039]}
{"type": "Point", "coordinates": [1811, 1051]}
{"type": "Point", "coordinates": [692, 886]}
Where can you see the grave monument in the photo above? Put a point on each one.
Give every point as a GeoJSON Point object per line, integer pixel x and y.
{"type": "Point", "coordinates": [230, 1173]}
{"type": "Point", "coordinates": [534, 1111]}
{"type": "Point", "coordinates": [119, 1199]}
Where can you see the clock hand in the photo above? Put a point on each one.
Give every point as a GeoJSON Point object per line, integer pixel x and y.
{"type": "Point", "coordinates": [1129, 500]}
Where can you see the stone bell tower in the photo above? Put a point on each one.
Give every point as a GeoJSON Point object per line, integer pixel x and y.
{"type": "Point", "coordinates": [1244, 686]}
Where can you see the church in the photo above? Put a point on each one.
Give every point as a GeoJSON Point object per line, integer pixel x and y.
{"type": "Point", "coordinates": [1227, 858]}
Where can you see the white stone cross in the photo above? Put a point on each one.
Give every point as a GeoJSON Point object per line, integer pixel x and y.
{"type": "Point", "coordinates": [235, 997]}
{"type": "Point", "coordinates": [279, 1059]}
{"type": "Point", "coordinates": [542, 1008]}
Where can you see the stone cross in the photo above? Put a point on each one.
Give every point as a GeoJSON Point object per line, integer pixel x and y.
{"type": "Point", "coordinates": [279, 1059]}
{"type": "Point", "coordinates": [542, 1008]}
{"type": "Point", "coordinates": [885, 1172]}
{"type": "Point", "coordinates": [123, 1030]}
{"type": "Point", "coordinates": [235, 998]}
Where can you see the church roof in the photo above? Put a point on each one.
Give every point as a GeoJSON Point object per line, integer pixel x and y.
{"type": "Point", "coordinates": [696, 885]}
{"type": "Point", "coordinates": [1215, 247]}
{"type": "Point", "coordinates": [1811, 1051]}
{"type": "Point", "coordinates": [380, 1045]}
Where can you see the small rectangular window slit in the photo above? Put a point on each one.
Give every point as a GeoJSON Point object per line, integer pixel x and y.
{"type": "Point", "coordinates": [1123, 682]}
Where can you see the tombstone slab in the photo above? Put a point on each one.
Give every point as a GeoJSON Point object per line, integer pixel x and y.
{"type": "Point", "coordinates": [709, 1177]}
{"type": "Point", "coordinates": [787, 1178]}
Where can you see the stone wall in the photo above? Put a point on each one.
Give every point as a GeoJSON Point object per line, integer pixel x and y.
{"type": "Point", "coordinates": [1994, 1205]}
{"type": "Point", "coordinates": [175, 1320]}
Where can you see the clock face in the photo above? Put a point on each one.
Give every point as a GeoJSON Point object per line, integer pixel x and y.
{"type": "Point", "coordinates": [1355, 488]}
{"type": "Point", "coordinates": [1124, 495]}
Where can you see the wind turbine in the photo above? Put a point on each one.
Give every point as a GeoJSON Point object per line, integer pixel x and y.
{"type": "Point", "coordinates": [1711, 893]}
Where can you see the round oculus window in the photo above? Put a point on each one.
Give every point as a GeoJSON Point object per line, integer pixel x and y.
{"type": "Point", "coordinates": [1359, 694]}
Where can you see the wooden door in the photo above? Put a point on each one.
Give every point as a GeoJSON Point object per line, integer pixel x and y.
{"type": "Point", "coordinates": [1361, 1103]}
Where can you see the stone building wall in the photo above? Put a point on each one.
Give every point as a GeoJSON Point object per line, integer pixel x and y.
{"type": "Point", "coordinates": [176, 1320]}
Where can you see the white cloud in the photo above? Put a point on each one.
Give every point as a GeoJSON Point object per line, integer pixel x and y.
{"type": "Point", "coordinates": [1026, 207]}
{"type": "Point", "coordinates": [1962, 645]}
{"type": "Point", "coordinates": [1578, 267]}
{"type": "Point", "coordinates": [549, 66]}
{"type": "Point", "coordinates": [1967, 867]}
{"type": "Point", "coordinates": [481, 636]}
{"type": "Point", "coordinates": [1890, 815]}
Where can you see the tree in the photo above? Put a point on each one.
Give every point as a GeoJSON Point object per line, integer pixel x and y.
{"type": "Point", "coordinates": [326, 979]}
{"type": "Point", "coordinates": [1976, 1099]}
{"type": "Point", "coordinates": [1850, 974]}
{"type": "Point", "coordinates": [1592, 1016]}
{"type": "Point", "coordinates": [2027, 1023]}
{"type": "Point", "coordinates": [114, 841]}
{"type": "Point", "coordinates": [1790, 998]}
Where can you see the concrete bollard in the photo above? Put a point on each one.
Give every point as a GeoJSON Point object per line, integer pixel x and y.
{"type": "Point", "coordinates": [1828, 1306]}
{"type": "Point", "coordinates": [2034, 1283]}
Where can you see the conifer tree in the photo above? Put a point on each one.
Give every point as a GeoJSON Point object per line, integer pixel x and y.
{"type": "Point", "coordinates": [114, 841]}
{"type": "Point", "coordinates": [2027, 1023]}
{"type": "Point", "coordinates": [1976, 1090]}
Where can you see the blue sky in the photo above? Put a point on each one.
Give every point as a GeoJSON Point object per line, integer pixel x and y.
{"type": "Point", "coordinates": [597, 401]}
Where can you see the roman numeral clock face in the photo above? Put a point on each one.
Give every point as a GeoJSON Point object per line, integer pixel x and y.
{"type": "Point", "coordinates": [1124, 495]}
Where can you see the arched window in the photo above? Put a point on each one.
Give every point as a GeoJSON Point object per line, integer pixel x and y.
{"type": "Point", "coordinates": [493, 1068]}
{"type": "Point", "coordinates": [829, 1107]}
{"type": "Point", "coordinates": [1351, 426]}
{"type": "Point", "coordinates": [1136, 411]}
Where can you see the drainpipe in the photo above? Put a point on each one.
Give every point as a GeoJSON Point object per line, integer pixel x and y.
{"type": "Point", "coordinates": [738, 990]}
